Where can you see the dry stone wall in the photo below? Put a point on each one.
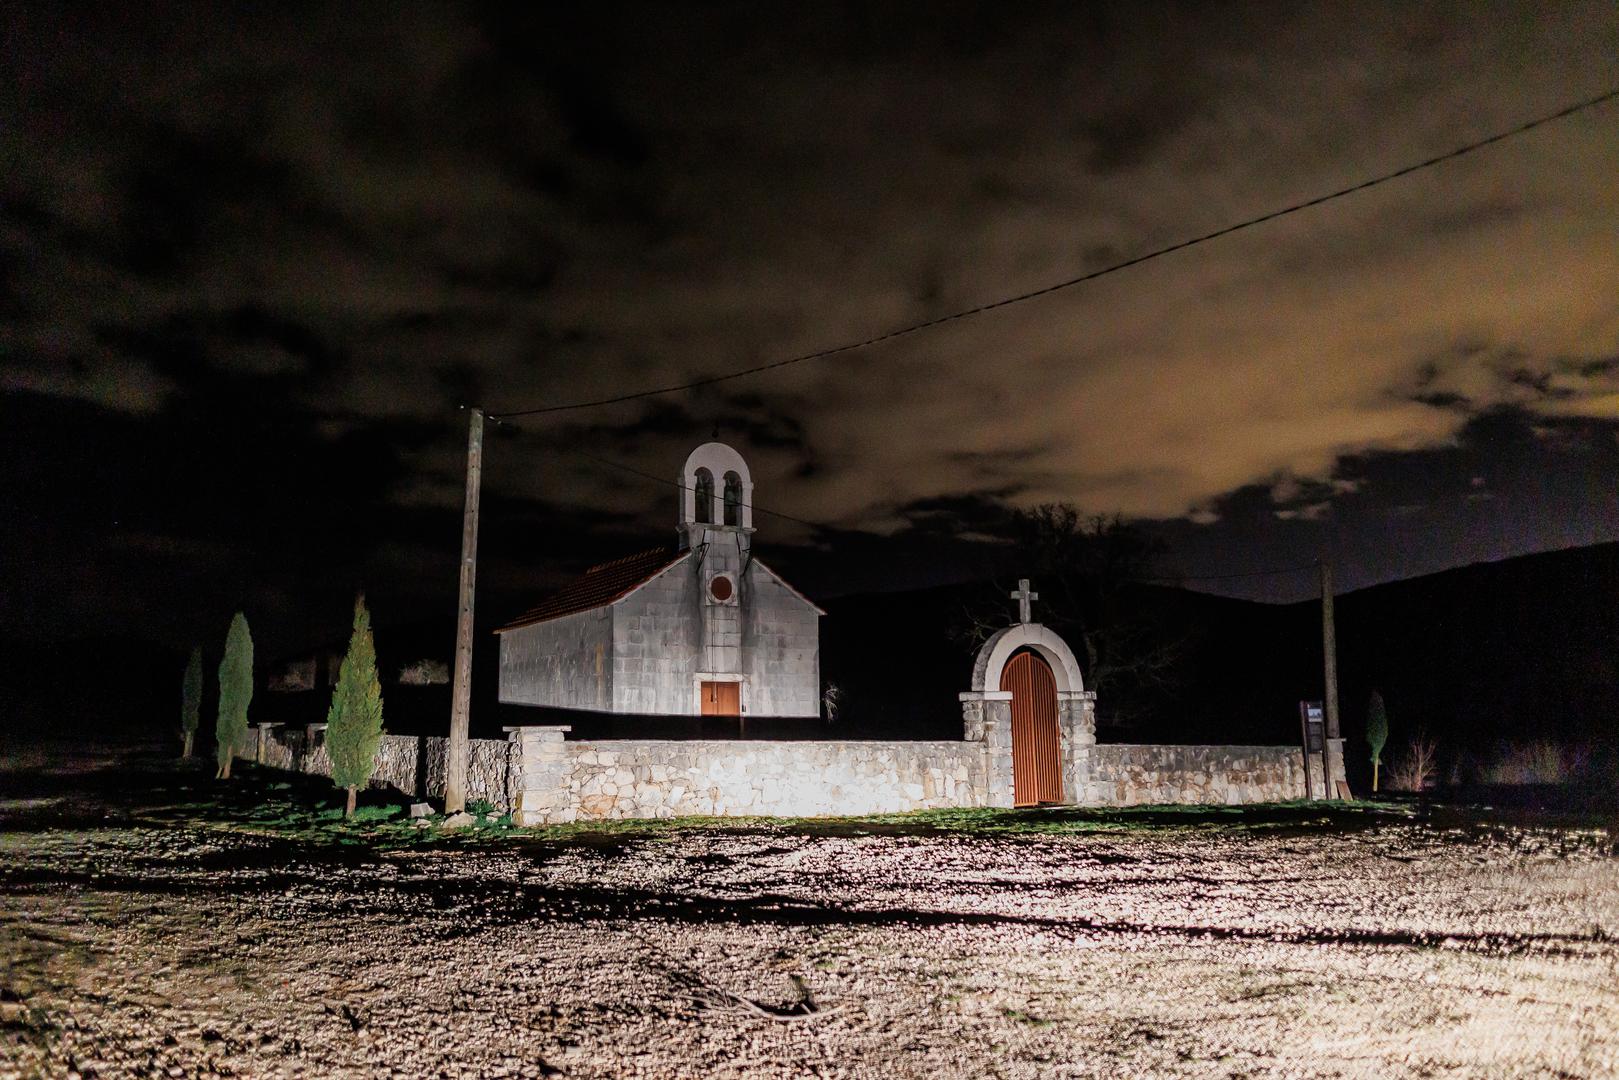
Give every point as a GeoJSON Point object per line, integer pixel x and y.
{"type": "Point", "coordinates": [544, 779]}
{"type": "Point", "coordinates": [570, 781]}
{"type": "Point", "coordinates": [1125, 775]}
{"type": "Point", "coordinates": [411, 764]}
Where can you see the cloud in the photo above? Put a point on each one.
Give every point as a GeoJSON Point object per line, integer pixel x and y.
{"type": "Point", "coordinates": [383, 219]}
{"type": "Point", "coordinates": [1309, 512]}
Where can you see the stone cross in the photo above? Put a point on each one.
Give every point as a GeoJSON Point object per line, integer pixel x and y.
{"type": "Point", "coordinates": [1023, 596]}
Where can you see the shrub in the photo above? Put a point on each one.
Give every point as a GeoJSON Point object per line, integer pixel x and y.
{"type": "Point", "coordinates": [1462, 770]}
{"type": "Point", "coordinates": [1539, 762]}
{"type": "Point", "coordinates": [832, 702]}
{"type": "Point", "coordinates": [191, 700]}
{"type": "Point", "coordinates": [1414, 770]}
{"type": "Point", "coordinates": [235, 693]}
{"type": "Point", "coordinates": [1377, 732]}
{"type": "Point", "coordinates": [354, 722]}
{"type": "Point", "coordinates": [425, 673]}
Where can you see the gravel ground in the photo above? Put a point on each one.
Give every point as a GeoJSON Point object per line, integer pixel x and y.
{"type": "Point", "coordinates": [139, 944]}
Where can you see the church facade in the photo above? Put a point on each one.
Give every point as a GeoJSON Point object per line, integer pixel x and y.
{"type": "Point", "coordinates": [702, 628]}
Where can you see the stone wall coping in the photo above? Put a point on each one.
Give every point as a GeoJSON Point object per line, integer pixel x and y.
{"type": "Point", "coordinates": [1292, 748]}
{"type": "Point", "coordinates": [754, 745]}
{"type": "Point", "coordinates": [538, 727]}
{"type": "Point", "coordinates": [1076, 695]}
{"type": "Point", "coordinates": [984, 695]}
{"type": "Point", "coordinates": [265, 725]}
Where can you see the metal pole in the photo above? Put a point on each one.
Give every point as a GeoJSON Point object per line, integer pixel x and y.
{"type": "Point", "coordinates": [455, 765]}
{"type": "Point", "coordinates": [1304, 745]}
{"type": "Point", "coordinates": [1329, 654]}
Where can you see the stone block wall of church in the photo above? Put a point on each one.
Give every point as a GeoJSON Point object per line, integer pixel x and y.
{"type": "Point", "coordinates": [781, 649]}
{"type": "Point", "coordinates": [660, 637]}
{"type": "Point", "coordinates": [566, 662]}
{"type": "Point", "coordinates": [657, 632]}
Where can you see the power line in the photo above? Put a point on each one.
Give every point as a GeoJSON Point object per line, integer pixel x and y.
{"type": "Point", "coordinates": [1069, 283]}
{"type": "Point", "coordinates": [1172, 580]}
{"type": "Point", "coordinates": [818, 525]}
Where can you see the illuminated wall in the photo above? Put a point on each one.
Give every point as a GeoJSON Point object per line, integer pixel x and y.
{"type": "Point", "coordinates": [543, 778]}
{"type": "Point", "coordinates": [1123, 775]}
{"type": "Point", "coordinates": [646, 652]}
{"type": "Point", "coordinates": [644, 778]}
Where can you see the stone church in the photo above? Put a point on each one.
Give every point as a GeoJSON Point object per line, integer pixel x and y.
{"type": "Point", "coordinates": [703, 628]}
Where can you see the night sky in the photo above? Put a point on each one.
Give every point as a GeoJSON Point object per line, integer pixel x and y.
{"type": "Point", "coordinates": [255, 263]}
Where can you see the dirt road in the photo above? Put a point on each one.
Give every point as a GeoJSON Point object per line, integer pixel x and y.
{"type": "Point", "coordinates": [139, 941]}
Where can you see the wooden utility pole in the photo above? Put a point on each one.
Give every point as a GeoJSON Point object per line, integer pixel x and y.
{"type": "Point", "coordinates": [455, 765]}
{"type": "Point", "coordinates": [1329, 662]}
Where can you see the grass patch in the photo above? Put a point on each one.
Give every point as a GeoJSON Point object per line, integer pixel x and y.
{"type": "Point", "coordinates": [1026, 1018]}
{"type": "Point", "coordinates": [1059, 820]}
{"type": "Point", "coordinates": [306, 810]}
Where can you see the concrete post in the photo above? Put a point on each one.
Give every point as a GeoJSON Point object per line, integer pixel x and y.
{"type": "Point", "coordinates": [1329, 671]}
{"type": "Point", "coordinates": [455, 763]}
{"type": "Point", "coordinates": [264, 735]}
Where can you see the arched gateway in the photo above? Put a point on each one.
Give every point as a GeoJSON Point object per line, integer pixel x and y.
{"type": "Point", "coordinates": [1036, 745]}
{"type": "Point", "coordinates": [1029, 705]}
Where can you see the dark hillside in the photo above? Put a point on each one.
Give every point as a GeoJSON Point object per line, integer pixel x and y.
{"type": "Point", "coordinates": [900, 660]}
{"type": "Point", "coordinates": [1513, 651]}
{"type": "Point", "coordinates": [1523, 649]}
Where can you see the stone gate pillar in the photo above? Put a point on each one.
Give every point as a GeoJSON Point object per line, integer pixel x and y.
{"type": "Point", "coordinates": [537, 774]}
{"type": "Point", "coordinates": [986, 718]}
{"type": "Point", "coordinates": [1076, 719]}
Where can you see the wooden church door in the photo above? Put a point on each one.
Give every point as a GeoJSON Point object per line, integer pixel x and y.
{"type": "Point", "coordinates": [1036, 746]}
{"type": "Point", "coordinates": [722, 698]}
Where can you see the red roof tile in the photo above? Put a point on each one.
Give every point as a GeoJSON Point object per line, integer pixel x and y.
{"type": "Point", "coordinates": [600, 586]}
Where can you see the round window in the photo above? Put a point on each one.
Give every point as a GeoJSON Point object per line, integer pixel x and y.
{"type": "Point", "coordinates": [721, 588]}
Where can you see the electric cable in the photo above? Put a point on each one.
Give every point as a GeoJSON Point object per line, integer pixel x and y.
{"type": "Point", "coordinates": [1068, 283]}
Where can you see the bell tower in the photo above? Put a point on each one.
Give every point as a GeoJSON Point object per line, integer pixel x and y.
{"type": "Point", "coordinates": [716, 498]}
{"type": "Point", "coordinates": [716, 521]}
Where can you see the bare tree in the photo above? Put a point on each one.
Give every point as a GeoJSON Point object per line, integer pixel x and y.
{"type": "Point", "coordinates": [1415, 769]}
{"type": "Point", "coordinates": [1088, 571]}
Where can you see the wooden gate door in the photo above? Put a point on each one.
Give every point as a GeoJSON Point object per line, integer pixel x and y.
{"type": "Point", "coordinates": [722, 699]}
{"type": "Point", "coordinates": [1036, 746]}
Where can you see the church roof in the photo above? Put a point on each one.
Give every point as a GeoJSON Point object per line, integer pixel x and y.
{"type": "Point", "coordinates": [599, 586]}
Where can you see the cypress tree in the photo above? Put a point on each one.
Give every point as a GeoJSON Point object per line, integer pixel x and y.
{"type": "Point", "coordinates": [354, 721]}
{"type": "Point", "coordinates": [1377, 731]}
{"type": "Point", "coordinates": [235, 692]}
{"type": "Point", "coordinates": [191, 699]}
